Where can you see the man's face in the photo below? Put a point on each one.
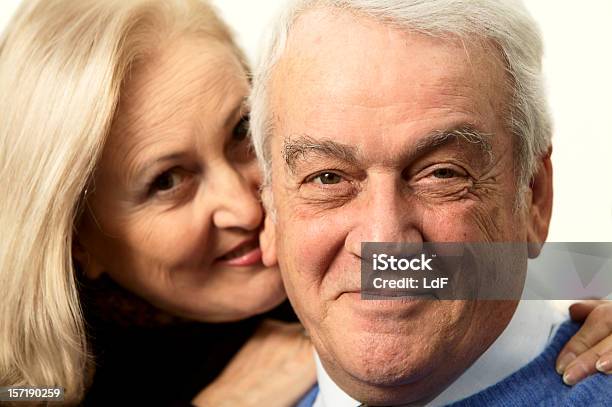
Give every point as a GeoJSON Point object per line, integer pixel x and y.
{"type": "Point", "coordinates": [357, 156]}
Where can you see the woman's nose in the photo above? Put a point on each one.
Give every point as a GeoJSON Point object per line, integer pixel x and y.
{"type": "Point", "coordinates": [237, 197]}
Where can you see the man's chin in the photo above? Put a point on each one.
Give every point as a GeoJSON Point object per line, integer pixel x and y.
{"type": "Point", "coordinates": [392, 350]}
{"type": "Point", "coordinates": [386, 376]}
{"type": "Point", "coordinates": [400, 380]}
{"type": "Point", "coordinates": [384, 364]}
{"type": "Point", "coordinates": [376, 359]}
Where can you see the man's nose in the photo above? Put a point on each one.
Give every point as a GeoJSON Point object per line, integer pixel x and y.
{"type": "Point", "coordinates": [387, 213]}
{"type": "Point", "coordinates": [236, 201]}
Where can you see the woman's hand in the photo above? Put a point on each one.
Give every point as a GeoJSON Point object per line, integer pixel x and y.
{"type": "Point", "coordinates": [591, 348]}
{"type": "Point", "coordinates": [275, 368]}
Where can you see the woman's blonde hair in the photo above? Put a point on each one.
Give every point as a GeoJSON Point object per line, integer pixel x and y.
{"type": "Point", "coordinates": [62, 66]}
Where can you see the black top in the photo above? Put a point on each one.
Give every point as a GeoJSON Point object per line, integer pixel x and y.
{"type": "Point", "coordinates": [159, 364]}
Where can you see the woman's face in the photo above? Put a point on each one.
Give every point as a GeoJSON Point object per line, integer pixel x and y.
{"type": "Point", "coordinates": [174, 213]}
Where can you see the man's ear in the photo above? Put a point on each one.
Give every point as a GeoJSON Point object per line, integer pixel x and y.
{"type": "Point", "coordinates": [540, 205]}
{"type": "Point", "coordinates": [267, 237]}
{"type": "Point", "coordinates": [90, 267]}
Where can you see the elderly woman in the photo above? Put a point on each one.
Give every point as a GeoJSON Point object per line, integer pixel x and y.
{"type": "Point", "coordinates": [130, 212]}
{"type": "Point", "coordinates": [133, 206]}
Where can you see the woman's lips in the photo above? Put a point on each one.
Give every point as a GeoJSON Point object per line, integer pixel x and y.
{"type": "Point", "coordinates": [247, 254]}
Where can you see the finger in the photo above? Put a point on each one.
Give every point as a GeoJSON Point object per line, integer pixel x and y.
{"type": "Point", "coordinates": [598, 325]}
{"type": "Point", "coordinates": [580, 310]}
{"type": "Point", "coordinates": [604, 364]}
{"type": "Point", "coordinates": [587, 363]}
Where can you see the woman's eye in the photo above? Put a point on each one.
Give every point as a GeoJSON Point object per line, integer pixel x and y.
{"type": "Point", "coordinates": [327, 178]}
{"type": "Point", "coordinates": [241, 131]}
{"type": "Point", "coordinates": [444, 173]}
{"type": "Point", "coordinates": [166, 181]}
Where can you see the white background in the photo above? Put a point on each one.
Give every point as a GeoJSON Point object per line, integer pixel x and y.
{"type": "Point", "coordinates": [578, 66]}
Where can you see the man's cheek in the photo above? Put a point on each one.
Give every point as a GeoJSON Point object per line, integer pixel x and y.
{"type": "Point", "coordinates": [496, 223]}
{"type": "Point", "coordinates": [466, 221]}
{"type": "Point", "coordinates": [309, 247]}
{"type": "Point", "coordinates": [316, 227]}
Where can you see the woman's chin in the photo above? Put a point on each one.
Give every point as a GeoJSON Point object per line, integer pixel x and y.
{"type": "Point", "coordinates": [232, 305]}
{"type": "Point", "coordinates": [257, 302]}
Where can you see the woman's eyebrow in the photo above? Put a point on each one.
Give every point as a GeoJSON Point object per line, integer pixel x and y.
{"type": "Point", "coordinates": [239, 111]}
{"type": "Point", "coordinates": [141, 170]}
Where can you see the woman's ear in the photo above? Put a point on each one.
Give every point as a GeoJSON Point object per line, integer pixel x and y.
{"type": "Point", "coordinates": [540, 205]}
{"type": "Point", "coordinates": [91, 268]}
{"type": "Point", "coordinates": [267, 236]}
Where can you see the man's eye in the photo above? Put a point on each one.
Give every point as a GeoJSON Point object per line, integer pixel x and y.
{"type": "Point", "coordinates": [327, 178]}
{"type": "Point", "coordinates": [166, 181]}
{"type": "Point", "coordinates": [444, 173]}
{"type": "Point", "coordinates": [241, 131]}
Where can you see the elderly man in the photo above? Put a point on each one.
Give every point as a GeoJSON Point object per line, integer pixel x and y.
{"type": "Point", "coordinates": [408, 121]}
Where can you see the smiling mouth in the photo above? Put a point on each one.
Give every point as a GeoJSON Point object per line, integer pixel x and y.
{"type": "Point", "coordinates": [398, 296]}
{"type": "Point", "coordinates": [246, 254]}
{"type": "Point", "coordinates": [393, 295]}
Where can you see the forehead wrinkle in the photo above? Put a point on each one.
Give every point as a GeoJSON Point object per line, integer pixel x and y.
{"type": "Point", "coordinates": [170, 94]}
{"type": "Point", "coordinates": [142, 134]}
{"type": "Point", "coordinates": [226, 100]}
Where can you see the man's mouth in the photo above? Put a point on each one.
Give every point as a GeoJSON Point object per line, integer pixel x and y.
{"type": "Point", "coordinates": [395, 295]}
{"type": "Point", "coordinates": [387, 293]}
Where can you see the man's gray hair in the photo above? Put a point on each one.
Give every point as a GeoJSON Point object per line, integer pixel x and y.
{"type": "Point", "coordinates": [506, 23]}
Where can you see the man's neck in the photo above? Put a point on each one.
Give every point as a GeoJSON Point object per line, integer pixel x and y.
{"type": "Point", "coordinates": [524, 338]}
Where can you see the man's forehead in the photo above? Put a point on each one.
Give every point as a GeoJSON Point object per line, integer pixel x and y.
{"type": "Point", "coordinates": [340, 68]}
{"type": "Point", "coordinates": [327, 35]}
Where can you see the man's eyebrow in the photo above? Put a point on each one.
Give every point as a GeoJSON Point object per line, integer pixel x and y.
{"type": "Point", "coordinates": [295, 148]}
{"type": "Point", "coordinates": [465, 132]}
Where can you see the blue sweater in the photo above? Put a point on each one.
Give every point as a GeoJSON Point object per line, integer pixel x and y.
{"type": "Point", "coordinates": [536, 384]}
